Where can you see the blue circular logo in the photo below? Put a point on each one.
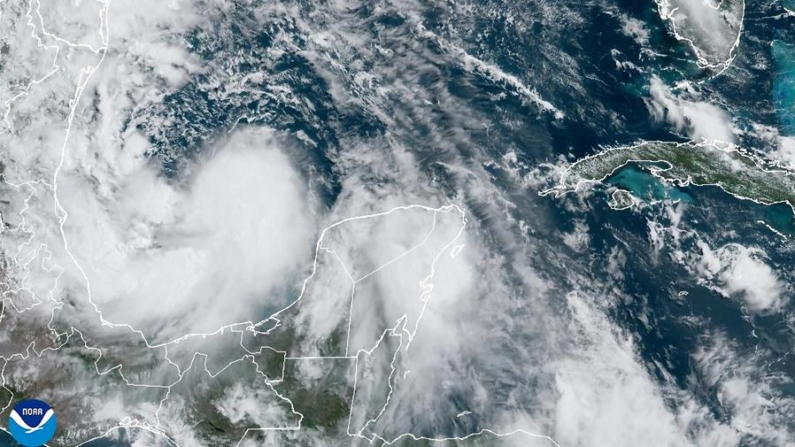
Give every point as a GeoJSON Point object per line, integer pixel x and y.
{"type": "Point", "coordinates": [32, 423]}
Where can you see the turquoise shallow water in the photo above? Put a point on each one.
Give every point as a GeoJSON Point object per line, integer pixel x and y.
{"type": "Point", "coordinates": [784, 84]}
{"type": "Point", "coordinates": [642, 184]}
{"type": "Point", "coordinates": [780, 217]}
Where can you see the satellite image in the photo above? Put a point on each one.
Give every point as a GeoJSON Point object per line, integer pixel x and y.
{"type": "Point", "coordinates": [436, 223]}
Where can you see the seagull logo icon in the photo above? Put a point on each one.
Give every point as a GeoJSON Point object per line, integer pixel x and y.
{"type": "Point", "coordinates": [32, 423]}
{"type": "Point", "coordinates": [28, 429]}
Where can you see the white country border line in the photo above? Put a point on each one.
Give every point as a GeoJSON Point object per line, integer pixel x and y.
{"type": "Point", "coordinates": [26, 90]}
{"type": "Point", "coordinates": [472, 435]}
{"type": "Point", "coordinates": [270, 382]}
{"type": "Point", "coordinates": [405, 253]}
{"type": "Point", "coordinates": [84, 77]}
{"type": "Point", "coordinates": [62, 215]}
{"type": "Point", "coordinates": [331, 357]}
{"type": "Point", "coordinates": [563, 188]}
{"type": "Point", "coordinates": [181, 373]}
{"type": "Point", "coordinates": [31, 256]}
{"type": "Point", "coordinates": [353, 291]}
{"type": "Point", "coordinates": [252, 326]}
{"type": "Point", "coordinates": [31, 349]}
{"type": "Point", "coordinates": [427, 286]}
{"type": "Point", "coordinates": [22, 226]}
{"type": "Point", "coordinates": [402, 324]}
{"type": "Point", "coordinates": [126, 426]}
{"type": "Point", "coordinates": [106, 5]}
{"type": "Point", "coordinates": [356, 371]}
{"type": "Point", "coordinates": [700, 60]}
{"type": "Point", "coordinates": [319, 247]}
{"type": "Point", "coordinates": [266, 381]}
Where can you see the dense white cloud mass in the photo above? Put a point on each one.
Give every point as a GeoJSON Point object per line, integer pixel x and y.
{"type": "Point", "coordinates": [785, 152]}
{"type": "Point", "coordinates": [698, 120]}
{"type": "Point", "coordinates": [741, 271]}
{"type": "Point", "coordinates": [78, 22]}
{"type": "Point", "coordinates": [757, 282]}
{"type": "Point", "coordinates": [210, 251]}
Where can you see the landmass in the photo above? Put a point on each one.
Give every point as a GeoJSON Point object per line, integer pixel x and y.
{"type": "Point", "coordinates": [621, 199]}
{"type": "Point", "coordinates": [730, 168]}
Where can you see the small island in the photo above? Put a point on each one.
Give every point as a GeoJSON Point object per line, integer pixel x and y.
{"type": "Point", "coordinates": [621, 199]}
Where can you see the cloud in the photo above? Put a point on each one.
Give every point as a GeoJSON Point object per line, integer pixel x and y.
{"type": "Point", "coordinates": [77, 22]}
{"type": "Point", "coordinates": [634, 28]}
{"type": "Point", "coordinates": [241, 403]}
{"type": "Point", "coordinates": [611, 402]}
{"type": "Point", "coordinates": [494, 343]}
{"type": "Point", "coordinates": [755, 281]}
{"type": "Point", "coordinates": [741, 271]}
{"type": "Point", "coordinates": [486, 348]}
{"type": "Point", "coordinates": [748, 392]}
{"type": "Point", "coordinates": [698, 120]}
{"type": "Point", "coordinates": [780, 148]}
{"type": "Point", "coordinates": [579, 238]}
{"type": "Point", "coordinates": [192, 257]}
{"type": "Point", "coordinates": [785, 152]}
{"type": "Point", "coordinates": [711, 27]}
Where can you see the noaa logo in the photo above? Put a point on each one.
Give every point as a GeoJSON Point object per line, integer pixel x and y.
{"type": "Point", "coordinates": [32, 423]}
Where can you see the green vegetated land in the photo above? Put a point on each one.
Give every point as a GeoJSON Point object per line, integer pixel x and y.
{"type": "Point", "coordinates": [737, 173]}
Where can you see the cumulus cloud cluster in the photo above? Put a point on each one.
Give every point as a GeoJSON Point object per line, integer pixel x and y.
{"type": "Point", "coordinates": [699, 120]}
{"type": "Point", "coordinates": [752, 396]}
{"type": "Point", "coordinates": [741, 271]}
{"type": "Point", "coordinates": [786, 151]}
{"type": "Point", "coordinates": [196, 256]}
